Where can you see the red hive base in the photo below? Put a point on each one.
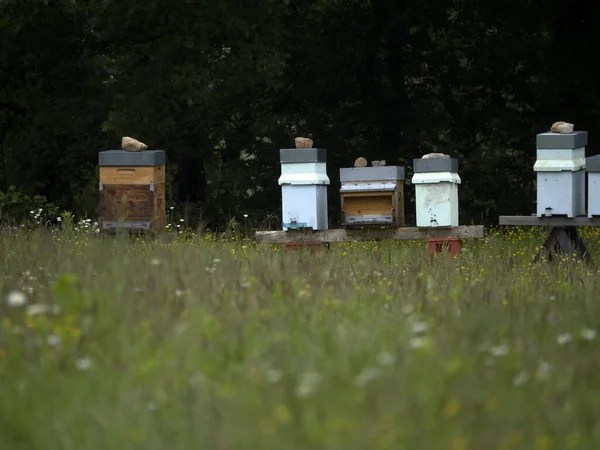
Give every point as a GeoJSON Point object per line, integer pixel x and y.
{"type": "Point", "coordinates": [438, 245]}
{"type": "Point", "coordinates": [289, 246]}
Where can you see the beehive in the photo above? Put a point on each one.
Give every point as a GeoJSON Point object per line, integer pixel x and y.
{"type": "Point", "coordinates": [372, 196]}
{"type": "Point", "coordinates": [560, 168]}
{"type": "Point", "coordinates": [132, 189]}
{"type": "Point", "coordinates": [304, 184]}
{"type": "Point", "coordinates": [593, 170]}
{"type": "Point", "coordinates": [436, 183]}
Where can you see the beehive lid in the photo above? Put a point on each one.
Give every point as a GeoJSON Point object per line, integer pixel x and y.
{"type": "Point", "coordinates": [302, 155]}
{"type": "Point", "coordinates": [432, 165]}
{"type": "Point", "coordinates": [384, 173]}
{"type": "Point", "coordinates": [592, 164]}
{"type": "Point", "coordinates": [124, 158]}
{"type": "Point", "coordinates": [548, 141]}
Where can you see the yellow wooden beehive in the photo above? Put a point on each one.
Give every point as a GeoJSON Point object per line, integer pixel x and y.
{"type": "Point", "coordinates": [132, 189]}
{"type": "Point", "coordinates": [372, 196]}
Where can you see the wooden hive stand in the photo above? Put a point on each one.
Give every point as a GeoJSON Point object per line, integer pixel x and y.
{"type": "Point", "coordinates": [372, 196]}
{"type": "Point", "coordinates": [132, 190]}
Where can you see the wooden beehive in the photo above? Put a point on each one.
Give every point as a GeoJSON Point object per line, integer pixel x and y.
{"type": "Point", "coordinates": [132, 189]}
{"type": "Point", "coordinates": [372, 196]}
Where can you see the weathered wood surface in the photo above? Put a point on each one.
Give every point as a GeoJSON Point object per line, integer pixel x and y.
{"type": "Point", "coordinates": [549, 221]}
{"type": "Point", "coordinates": [132, 175]}
{"type": "Point", "coordinates": [368, 234]}
{"type": "Point", "coordinates": [133, 203]}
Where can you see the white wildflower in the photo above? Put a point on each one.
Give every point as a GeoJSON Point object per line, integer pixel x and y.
{"type": "Point", "coordinates": [588, 334]}
{"type": "Point", "coordinates": [419, 327]}
{"type": "Point", "coordinates": [36, 309]}
{"type": "Point", "coordinates": [273, 376]}
{"type": "Point", "coordinates": [307, 384]}
{"type": "Point", "coordinates": [543, 370]}
{"type": "Point", "coordinates": [417, 342]}
{"type": "Point", "coordinates": [564, 338]}
{"type": "Point", "coordinates": [407, 310]}
{"type": "Point", "coordinates": [151, 406]}
{"type": "Point", "coordinates": [83, 363]}
{"type": "Point", "coordinates": [385, 359]}
{"type": "Point", "coordinates": [521, 378]}
{"type": "Point", "coordinates": [367, 375]}
{"type": "Point", "coordinates": [499, 350]}
{"type": "Point", "coordinates": [53, 340]}
{"type": "Point", "coordinates": [16, 298]}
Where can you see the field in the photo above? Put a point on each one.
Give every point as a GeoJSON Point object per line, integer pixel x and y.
{"type": "Point", "coordinates": [193, 342]}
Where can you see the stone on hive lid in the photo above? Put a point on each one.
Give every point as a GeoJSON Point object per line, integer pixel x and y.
{"type": "Point", "coordinates": [360, 162]}
{"type": "Point", "coordinates": [562, 127]}
{"type": "Point", "coordinates": [132, 145]}
{"type": "Point", "coordinates": [435, 155]}
{"type": "Point", "coordinates": [303, 142]}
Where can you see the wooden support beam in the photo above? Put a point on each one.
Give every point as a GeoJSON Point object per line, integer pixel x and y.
{"type": "Point", "coordinates": [564, 240]}
{"type": "Point", "coordinates": [368, 234]}
{"type": "Point", "coordinates": [552, 221]}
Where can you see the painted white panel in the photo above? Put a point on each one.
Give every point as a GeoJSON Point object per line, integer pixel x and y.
{"type": "Point", "coordinates": [593, 194]}
{"type": "Point", "coordinates": [435, 177]}
{"type": "Point", "coordinates": [561, 193]}
{"type": "Point", "coordinates": [437, 204]}
{"type": "Point", "coordinates": [305, 206]}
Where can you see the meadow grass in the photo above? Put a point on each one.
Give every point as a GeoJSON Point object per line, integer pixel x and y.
{"type": "Point", "coordinates": [191, 342]}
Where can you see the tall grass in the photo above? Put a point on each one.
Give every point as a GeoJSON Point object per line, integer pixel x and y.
{"type": "Point", "coordinates": [190, 342]}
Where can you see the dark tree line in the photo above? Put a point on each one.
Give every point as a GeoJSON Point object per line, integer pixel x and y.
{"type": "Point", "coordinates": [221, 85]}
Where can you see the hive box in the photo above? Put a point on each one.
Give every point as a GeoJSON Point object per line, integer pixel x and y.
{"type": "Point", "coordinates": [593, 171]}
{"type": "Point", "coordinates": [436, 190]}
{"type": "Point", "coordinates": [560, 169]}
{"type": "Point", "coordinates": [132, 189]}
{"type": "Point", "coordinates": [304, 184]}
{"type": "Point", "coordinates": [372, 196]}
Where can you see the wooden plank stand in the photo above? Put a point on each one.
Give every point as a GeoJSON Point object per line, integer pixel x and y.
{"type": "Point", "coordinates": [370, 234]}
{"type": "Point", "coordinates": [563, 237]}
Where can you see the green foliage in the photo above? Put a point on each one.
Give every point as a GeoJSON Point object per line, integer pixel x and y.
{"type": "Point", "coordinates": [19, 208]}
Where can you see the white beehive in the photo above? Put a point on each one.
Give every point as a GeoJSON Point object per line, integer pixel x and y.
{"type": "Point", "coordinates": [436, 190]}
{"type": "Point", "coordinates": [592, 165]}
{"type": "Point", "coordinates": [304, 184]}
{"type": "Point", "coordinates": [560, 168]}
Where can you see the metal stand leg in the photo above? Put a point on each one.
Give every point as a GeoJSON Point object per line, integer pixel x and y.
{"type": "Point", "coordinates": [566, 240]}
